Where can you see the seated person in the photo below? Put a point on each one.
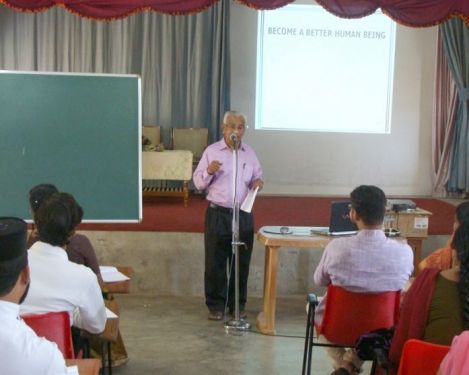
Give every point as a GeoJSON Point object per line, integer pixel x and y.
{"type": "Point", "coordinates": [436, 307]}
{"type": "Point", "coordinates": [79, 248]}
{"type": "Point", "coordinates": [456, 362]}
{"type": "Point", "coordinates": [37, 195]}
{"type": "Point", "coordinates": [23, 352]}
{"type": "Point", "coordinates": [443, 258]}
{"type": "Point", "coordinates": [60, 285]}
{"type": "Point", "coordinates": [367, 262]}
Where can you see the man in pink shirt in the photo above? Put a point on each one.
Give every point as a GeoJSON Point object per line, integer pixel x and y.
{"type": "Point", "coordinates": [215, 175]}
{"type": "Point", "coordinates": [367, 262]}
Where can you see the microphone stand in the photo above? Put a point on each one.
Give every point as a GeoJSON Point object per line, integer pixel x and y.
{"type": "Point", "coordinates": [236, 326]}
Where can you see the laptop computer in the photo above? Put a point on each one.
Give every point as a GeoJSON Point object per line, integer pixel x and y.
{"type": "Point", "coordinates": [340, 224]}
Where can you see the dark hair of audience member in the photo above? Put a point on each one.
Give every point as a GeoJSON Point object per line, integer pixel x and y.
{"type": "Point", "coordinates": [370, 203]}
{"type": "Point", "coordinates": [75, 208]}
{"type": "Point", "coordinates": [462, 212]}
{"type": "Point", "coordinates": [57, 218]}
{"type": "Point", "coordinates": [461, 245]}
{"type": "Point", "coordinates": [11, 268]}
{"type": "Point", "coordinates": [38, 194]}
{"type": "Point", "coordinates": [9, 272]}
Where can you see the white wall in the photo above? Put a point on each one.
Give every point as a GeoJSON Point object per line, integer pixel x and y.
{"type": "Point", "coordinates": [334, 163]}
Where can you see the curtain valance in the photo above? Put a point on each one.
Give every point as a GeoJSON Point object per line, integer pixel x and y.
{"type": "Point", "coordinates": [416, 13]}
{"type": "Point", "coordinates": [112, 9]}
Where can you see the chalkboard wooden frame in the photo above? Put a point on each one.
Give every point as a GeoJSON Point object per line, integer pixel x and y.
{"type": "Point", "coordinates": [78, 131]}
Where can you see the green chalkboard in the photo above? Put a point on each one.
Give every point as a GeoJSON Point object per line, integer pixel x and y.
{"type": "Point", "coordinates": [80, 132]}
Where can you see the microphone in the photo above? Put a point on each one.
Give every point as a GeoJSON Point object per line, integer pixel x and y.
{"type": "Point", "coordinates": [234, 138]}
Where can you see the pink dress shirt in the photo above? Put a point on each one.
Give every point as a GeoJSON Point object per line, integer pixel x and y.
{"type": "Point", "coordinates": [367, 262]}
{"type": "Point", "coordinates": [219, 185]}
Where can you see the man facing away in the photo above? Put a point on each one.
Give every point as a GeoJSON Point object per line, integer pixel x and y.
{"type": "Point", "coordinates": [23, 352]}
{"type": "Point", "coordinates": [60, 285]}
{"type": "Point", "coordinates": [367, 262]}
{"type": "Point", "coordinates": [215, 174]}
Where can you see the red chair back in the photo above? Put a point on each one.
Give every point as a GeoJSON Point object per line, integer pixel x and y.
{"type": "Point", "coordinates": [420, 357]}
{"type": "Point", "coordinates": [348, 315]}
{"type": "Point", "coordinates": [55, 327]}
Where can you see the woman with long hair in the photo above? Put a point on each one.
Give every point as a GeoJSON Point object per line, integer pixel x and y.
{"type": "Point", "coordinates": [436, 307]}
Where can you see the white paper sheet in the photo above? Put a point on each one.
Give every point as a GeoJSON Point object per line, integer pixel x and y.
{"type": "Point", "coordinates": [110, 314]}
{"type": "Point", "coordinates": [111, 274]}
{"type": "Point", "coordinates": [72, 370]}
{"type": "Point", "coordinates": [248, 202]}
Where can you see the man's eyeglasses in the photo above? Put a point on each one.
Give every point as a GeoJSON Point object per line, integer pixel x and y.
{"type": "Point", "coordinates": [236, 127]}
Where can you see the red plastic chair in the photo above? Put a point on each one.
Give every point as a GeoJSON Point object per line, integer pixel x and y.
{"type": "Point", "coordinates": [420, 357]}
{"type": "Point", "coordinates": [347, 316]}
{"type": "Point", "coordinates": [55, 327]}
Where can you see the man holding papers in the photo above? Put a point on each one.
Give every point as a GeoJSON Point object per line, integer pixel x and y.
{"type": "Point", "coordinates": [215, 175]}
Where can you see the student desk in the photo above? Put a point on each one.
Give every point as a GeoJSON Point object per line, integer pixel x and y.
{"type": "Point", "coordinates": [111, 333]}
{"type": "Point", "coordinates": [108, 336]}
{"type": "Point", "coordinates": [273, 242]}
{"type": "Point", "coordinates": [90, 366]}
{"type": "Point", "coordinates": [120, 287]}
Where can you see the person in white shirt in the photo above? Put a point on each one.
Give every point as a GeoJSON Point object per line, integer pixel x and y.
{"type": "Point", "coordinates": [23, 352]}
{"type": "Point", "coordinates": [58, 284]}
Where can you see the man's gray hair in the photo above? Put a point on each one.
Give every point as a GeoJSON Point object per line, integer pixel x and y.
{"type": "Point", "coordinates": [234, 114]}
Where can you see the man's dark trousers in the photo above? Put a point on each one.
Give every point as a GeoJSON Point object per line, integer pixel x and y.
{"type": "Point", "coordinates": [218, 251]}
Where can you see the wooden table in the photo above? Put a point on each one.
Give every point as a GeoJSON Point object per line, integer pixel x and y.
{"type": "Point", "coordinates": [120, 287]}
{"type": "Point", "coordinates": [109, 335]}
{"type": "Point", "coordinates": [413, 225]}
{"type": "Point", "coordinates": [273, 242]}
{"type": "Point", "coordinates": [111, 332]}
{"type": "Point", "coordinates": [90, 366]}
{"type": "Point", "coordinates": [416, 244]}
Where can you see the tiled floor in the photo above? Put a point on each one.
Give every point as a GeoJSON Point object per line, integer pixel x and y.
{"type": "Point", "coordinates": [171, 335]}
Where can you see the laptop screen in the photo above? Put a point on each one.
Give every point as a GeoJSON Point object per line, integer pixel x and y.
{"type": "Point", "coordinates": [340, 218]}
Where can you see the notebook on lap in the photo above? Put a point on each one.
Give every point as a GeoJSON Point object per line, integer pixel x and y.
{"type": "Point", "coordinates": [340, 224]}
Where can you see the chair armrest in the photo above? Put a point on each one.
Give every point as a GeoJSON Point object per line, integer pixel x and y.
{"type": "Point", "coordinates": [311, 298]}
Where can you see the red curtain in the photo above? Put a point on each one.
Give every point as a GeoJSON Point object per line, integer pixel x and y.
{"type": "Point", "coordinates": [111, 9]}
{"type": "Point", "coordinates": [265, 4]}
{"type": "Point", "coordinates": [417, 13]}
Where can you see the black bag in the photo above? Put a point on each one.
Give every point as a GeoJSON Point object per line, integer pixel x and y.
{"type": "Point", "coordinates": [368, 344]}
